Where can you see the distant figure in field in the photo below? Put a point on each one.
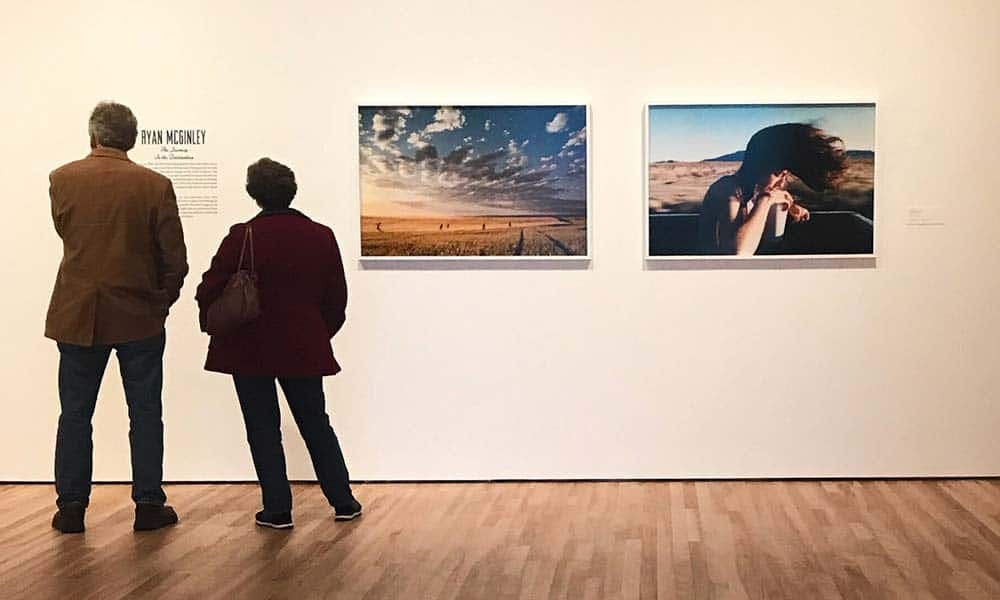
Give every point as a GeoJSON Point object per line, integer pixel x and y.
{"type": "Point", "coordinates": [441, 226]}
{"type": "Point", "coordinates": [734, 213]}
{"type": "Point", "coordinates": [447, 226]}
{"type": "Point", "coordinates": [508, 223]}
{"type": "Point", "coordinates": [124, 261]}
{"type": "Point", "coordinates": [484, 226]}
{"type": "Point", "coordinates": [378, 226]}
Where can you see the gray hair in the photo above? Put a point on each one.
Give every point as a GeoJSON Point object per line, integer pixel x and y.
{"type": "Point", "coordinates": [113, 125]}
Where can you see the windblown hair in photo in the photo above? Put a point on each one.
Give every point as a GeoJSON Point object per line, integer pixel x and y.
{"type": "Point", "coordinates": [817, 159]}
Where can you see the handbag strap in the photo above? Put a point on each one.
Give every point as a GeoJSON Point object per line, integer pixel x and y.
{"type": "Point", "coordinates": [247, 240]}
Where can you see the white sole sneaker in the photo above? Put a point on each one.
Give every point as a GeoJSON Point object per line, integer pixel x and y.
{"type": "Point", "coordinates": [274, 525]}
{"type": "Point", "coordinates": [348, 517]}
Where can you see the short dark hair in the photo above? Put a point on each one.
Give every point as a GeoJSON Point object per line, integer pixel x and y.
{"type": "Point", "coordinates": [113, 125]}
{"type": "Point", "coordinates": [818, 159]}
{"type": "Point", "coordinates": [271, 184]}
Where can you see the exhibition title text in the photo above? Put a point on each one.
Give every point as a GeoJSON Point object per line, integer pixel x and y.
{"type": "Point", "coordinates": [172, 136]}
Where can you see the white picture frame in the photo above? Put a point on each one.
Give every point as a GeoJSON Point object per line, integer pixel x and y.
{"type": "Point", "coordinates": [825, 260]}
{"type": "Point", "coordinates": [554, 261]}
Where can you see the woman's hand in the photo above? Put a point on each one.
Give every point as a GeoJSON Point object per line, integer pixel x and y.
{"type": "Point", "coordinates": [798, 213]}
{"type": "Point", "coordinates": [772, 197]}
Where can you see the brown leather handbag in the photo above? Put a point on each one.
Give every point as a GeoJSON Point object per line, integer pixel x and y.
{"type": "Point", "coordinates": [239, 302]}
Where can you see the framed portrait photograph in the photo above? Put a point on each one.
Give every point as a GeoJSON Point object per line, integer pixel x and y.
{"type": "Point", "coordinates": [760, 180]}
{"type": "Point", "coordinates": [481, 182]}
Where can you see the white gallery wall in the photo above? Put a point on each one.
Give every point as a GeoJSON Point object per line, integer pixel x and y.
{"type": "Point", "coordinates": [615, 370]}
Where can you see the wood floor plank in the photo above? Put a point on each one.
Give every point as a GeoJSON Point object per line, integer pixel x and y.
{"type": "Point", "coordinates": [524, 541]}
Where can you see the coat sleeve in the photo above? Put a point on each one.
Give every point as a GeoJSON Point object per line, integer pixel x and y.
{"type": "Point", "coordinates": [335, 297]}
{"type": "Point", "coordinates": [224, 265]}
{"type": "Point", "coordinates": [170, 245]}
{"type": "Point", "coordinates": [56, 218]}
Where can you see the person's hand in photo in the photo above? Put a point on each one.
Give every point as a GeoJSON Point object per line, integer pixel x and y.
{"type": "Point", "coordinates": [798, 213]}
{"type": "Point", "coordinates": [775, 196]}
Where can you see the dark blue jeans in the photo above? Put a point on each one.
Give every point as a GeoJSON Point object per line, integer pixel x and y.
{"type": "Point", "coordinates": [259, 402]}
{"type": "Point", "coordinates": [80, 371]}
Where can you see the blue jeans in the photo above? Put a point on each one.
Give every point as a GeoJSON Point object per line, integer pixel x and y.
{"type": "Point", "coordinates": [259, 402]}
{"type": "Point", "coordinates": [80, 371]}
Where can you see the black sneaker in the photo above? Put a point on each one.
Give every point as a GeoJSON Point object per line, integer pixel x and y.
{"type": "Point", "coordinates": [69, 518]}
{"type": "Point", "coordinates": [347, 513]}
{"type": "Point", "coordinates": [274, 520]}
{"type": "Point", "coordinates": [153, 516]}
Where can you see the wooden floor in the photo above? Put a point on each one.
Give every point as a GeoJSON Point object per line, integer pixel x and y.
{"type": "Point", "coordinates": [801, 540]}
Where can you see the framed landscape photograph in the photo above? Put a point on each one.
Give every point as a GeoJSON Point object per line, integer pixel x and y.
{"type": "Point", "coordinates": [474, 182]}
{"type": "Point", "coordinates": [760, 180]}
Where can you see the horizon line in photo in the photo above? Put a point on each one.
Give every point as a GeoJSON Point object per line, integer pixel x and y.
{"type": "Point", "coordinates": [700, 132]}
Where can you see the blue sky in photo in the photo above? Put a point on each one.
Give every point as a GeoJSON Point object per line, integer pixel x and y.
{"type": "Point", "coordinates": [693, 133]}
{"type": "Point", "coordinates": [431, 160]}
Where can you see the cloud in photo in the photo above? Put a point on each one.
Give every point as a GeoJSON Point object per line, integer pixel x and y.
{"type": "Point", "coordinates": [557, 124]}
{"type": "Point", "coordinates": [415, 140]}
{"type": "Point", "coordinates": [445, 119]}
{"type": "Point", "coordinates": [386, 126]}
{"type": "Point", "coordinates": [513, 174]}
{"type": "Point", "coordinates": [577, 139]}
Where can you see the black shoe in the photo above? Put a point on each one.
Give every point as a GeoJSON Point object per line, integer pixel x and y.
{"type": "Point", "coordinates": [153, 516]}
{"type": "Point", "coordinates": [347, 513]}
{"type": "Point", "coordinates": [69, 518]}
{"type": "Point", "coordinates": [274, 520]}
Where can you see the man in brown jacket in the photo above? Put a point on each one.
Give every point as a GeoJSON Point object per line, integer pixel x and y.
{"type": "Point", "coordinates": [123, 264]}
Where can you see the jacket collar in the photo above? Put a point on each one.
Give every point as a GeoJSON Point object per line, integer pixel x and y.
{"type": "Point", "coordinates": [105, 152]}
{"type": "Point", "coordinates": [279, 211]}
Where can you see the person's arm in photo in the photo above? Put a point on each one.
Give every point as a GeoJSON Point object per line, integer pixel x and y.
{"type": "Point", "coordinates": [170, 245]}
{"type": "Point", "coordinates": [727, 222]}
{"type": "Point", "coordinates": [708, 222]}
{"type": "Point", "coordinates": [747, 238]}
{"type": "Point", "coordinates": [335, 299]}
{"type": "Point", "coordinates": [223, 266]}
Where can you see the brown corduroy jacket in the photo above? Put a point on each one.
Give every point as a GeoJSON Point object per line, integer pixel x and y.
{"type": "Point", "coordinates": [124, 258]}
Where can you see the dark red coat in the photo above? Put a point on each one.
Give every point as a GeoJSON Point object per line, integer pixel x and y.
{"type": "Point", "coordinates": [303, 294]}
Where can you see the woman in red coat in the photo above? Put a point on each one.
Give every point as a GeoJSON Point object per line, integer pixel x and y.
{"type": "Point", "coordinates": [303, 295]}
